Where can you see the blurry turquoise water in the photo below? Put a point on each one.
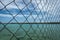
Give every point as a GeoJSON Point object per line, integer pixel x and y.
{"type": "Point", "coordinates": [35, 31]}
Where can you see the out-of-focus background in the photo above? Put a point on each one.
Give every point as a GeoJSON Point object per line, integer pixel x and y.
{"type": "Point", "coordinates": [29, 19]}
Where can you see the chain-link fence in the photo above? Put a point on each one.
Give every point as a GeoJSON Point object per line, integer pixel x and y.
{"type": "Point", "coordinates": [29, 19]}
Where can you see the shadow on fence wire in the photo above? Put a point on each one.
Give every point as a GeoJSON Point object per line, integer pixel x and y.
{"type": "Point", "coordinates": [29, 20]}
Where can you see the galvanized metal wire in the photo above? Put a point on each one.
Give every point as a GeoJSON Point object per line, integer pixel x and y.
{"type": "Point", "coordinates": [39, 18]}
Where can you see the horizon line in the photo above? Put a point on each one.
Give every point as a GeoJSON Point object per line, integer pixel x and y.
{"type": "Point", "coordinates": [33, 23]}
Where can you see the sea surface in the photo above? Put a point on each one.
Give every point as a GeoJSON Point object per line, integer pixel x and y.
{"type": "Point", "coordinates": [30, 31]}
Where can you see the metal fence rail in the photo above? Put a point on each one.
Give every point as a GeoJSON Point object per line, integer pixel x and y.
{"type": "Point", "coordinates": [29, 19]}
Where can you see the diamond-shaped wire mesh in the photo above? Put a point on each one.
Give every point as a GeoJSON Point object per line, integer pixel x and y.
{"type": "Point", "coordinates": [29, 19]}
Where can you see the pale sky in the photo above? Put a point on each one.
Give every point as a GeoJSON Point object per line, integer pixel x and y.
{"type": "Point", "coordinates": [47, 9]}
